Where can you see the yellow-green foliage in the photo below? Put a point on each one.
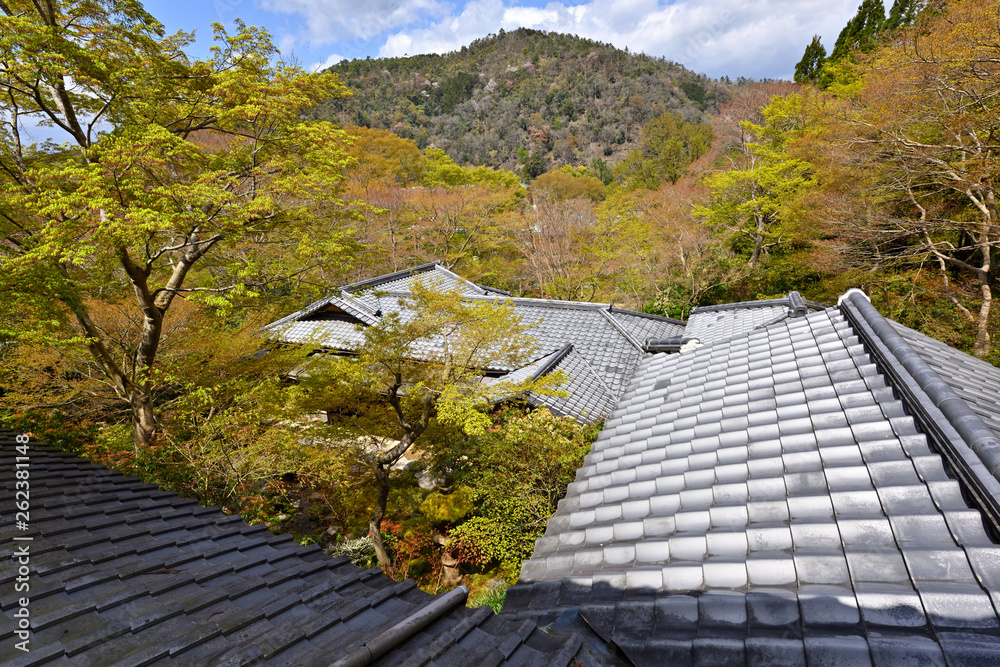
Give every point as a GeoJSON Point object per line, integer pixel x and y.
{"type": "Point", "coordinates": [519, 471]}
{"type": "Point", "coordinates": [448, 507]}
{"type": "Point", "coordinates": [566, 183]}
{"type": "Point", "coordinates": [441, 170]}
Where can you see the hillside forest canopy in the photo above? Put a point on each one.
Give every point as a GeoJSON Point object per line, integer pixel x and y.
{"type": "Point", "coordinates": [190, 202]}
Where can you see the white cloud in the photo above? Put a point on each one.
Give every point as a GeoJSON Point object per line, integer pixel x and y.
{"type": "Point", "coordinates": [332, 60]}
{"type": "Point", "coordinates": [754, 38]}
{"type": "Point", "coordinates": [330, 21]}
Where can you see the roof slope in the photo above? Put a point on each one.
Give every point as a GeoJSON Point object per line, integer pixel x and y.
{"type": "Point", "coordinates": [976, 381]}
{"type": "Point", "coordinates": [642, 326]}
{"type": "Point", "coordinates": [123, 573]}
{"type": "Point", "coordinates": [767, 499]}
{"type": "Point", "coordinates": [721, 322]}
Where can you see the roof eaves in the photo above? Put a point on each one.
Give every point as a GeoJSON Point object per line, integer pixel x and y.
{"type": "Point", "coordinates": [348, 305]}
{"type": "Point", "coordinates": [971, 448]}
{"type": "Point", "coordinates": [288, 319]}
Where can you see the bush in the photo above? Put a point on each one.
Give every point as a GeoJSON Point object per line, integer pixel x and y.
{"type": "Point", "coordinates": [493, 596]}
{"type": "Point", "coordinates": [448, 508]}
{"type": "Point", "coordinates": [519, 473]}
{"type": "Point", "coordinates": [361, 552]}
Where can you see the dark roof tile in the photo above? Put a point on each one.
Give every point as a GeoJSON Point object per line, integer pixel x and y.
{"type": "Point", "coordinates": [207, 588]}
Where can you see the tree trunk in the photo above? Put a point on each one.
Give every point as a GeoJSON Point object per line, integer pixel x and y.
{"type": "Point", "coordinates": [143, 421]}
{"type": "Point", "coordinates": [375, 523]}
{"type": "Point", "coordinates": [982, 347]}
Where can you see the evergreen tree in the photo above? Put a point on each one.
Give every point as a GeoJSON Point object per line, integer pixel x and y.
{"type": "Point", "coordinates": [903, 13]}
{"type": "Point", "coordinates": [860, 31]}
{"type": "Point", "coordinates": [534, 166]}
{"type": "Point", "coordinates": [812, 62]}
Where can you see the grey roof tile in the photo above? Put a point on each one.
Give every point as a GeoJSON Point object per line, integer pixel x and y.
{"type": "Point", "coordinates": [957, 368]}
{"type": "Point", "coordinates": [887, 649]}
{"type": "Point", "coordinates": [807, 495]}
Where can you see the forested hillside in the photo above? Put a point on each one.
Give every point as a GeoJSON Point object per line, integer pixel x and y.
{"type": "Point", "coordinates": [565, 99]}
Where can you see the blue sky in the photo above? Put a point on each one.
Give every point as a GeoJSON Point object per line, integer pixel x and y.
{"type": "Point", "coordinates": [752, 38]}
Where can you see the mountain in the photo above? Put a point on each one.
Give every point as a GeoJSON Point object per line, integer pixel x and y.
{"type": "Point", "coordinates": [506, 96]}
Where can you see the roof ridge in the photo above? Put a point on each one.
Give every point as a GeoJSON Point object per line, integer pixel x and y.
{"type": "Point", "coordinates": [620, 329]}
{"type": "Point", "coordinates": [389, 277]}
{"type": "Point", "coordinates": [554, 359]}
{"type": "Point", "coordinates": [441, 267]}
{"type": "Point", "coordinates": [739, 305]}
{"type": "Point", "coordinates": [648, 316]}
{"type": "Point", "coordinates": [788, 300]}
{"type": "Point", "coordinates": [346, 304]}
{"type": "Point", "coordinates": [966, 442]}
{"type": "Point", "coordinates": [554, 303]}
{"type": "Point", "coordinates": [596, 374]}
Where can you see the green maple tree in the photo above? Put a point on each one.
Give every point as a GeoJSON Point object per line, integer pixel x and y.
{"type": "Point", "coordinates": [176, 178]}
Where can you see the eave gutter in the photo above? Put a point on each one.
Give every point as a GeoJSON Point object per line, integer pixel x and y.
{"type": "Point", "coordinates": [971, 448]}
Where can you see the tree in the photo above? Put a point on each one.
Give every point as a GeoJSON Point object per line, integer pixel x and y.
{"type": "Point", "coordinates": [903, 13]}
{"type": "Point", "coordinates": [860, 31]}
{"type": "Point", "coordinates": [753, 202]}
{"type": "Point", "coordinates": [382, 160]}
{"type": "Point", "coordinates": [565, 183]}
{"type": "Point", "coordinates": [179, 178]}
{"type": "Point", "coordinates": [556, 240]}
{"type": "Point", "coordinates": [519, 472]}
{"type": "Point", "coordinates": [925, 123]}
{"type": "Point", "coordinates": [665, 259]}
{"type": "Point", "coordinates": [809, 68]}
{"type": "Point", "coordinates": [416, 371]}
{"type": "Point", "coordinates": [534, 166]}
{"type": "Point", "coordinates": [457, 226]}
{"type": "Point", "coordinates": [668, 145]}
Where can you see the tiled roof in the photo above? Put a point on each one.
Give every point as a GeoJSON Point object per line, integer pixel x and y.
{"type": "Point", "coordinates": [812, 486]}
{"type": "Point", "coordinates": [769, 499]}
{"type": "Point", "coordinates": [122, 573]}
{"type": "Point", "coordinates": [606, 341]}
{"type": "Point", "coordinates": [402, 281]}
{"type": "Point", "coordinates": [587, 396]}
{"type": "Point", "coordinates": [710, 323]}
{"type": "Point", "coordinates": [976, 381]}
{"type": "Point", "coordinates": [643, 326]}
